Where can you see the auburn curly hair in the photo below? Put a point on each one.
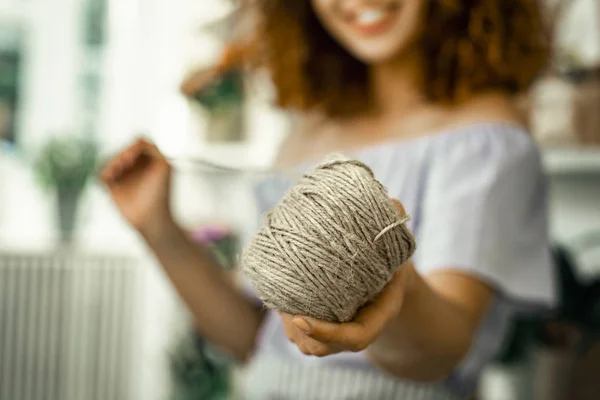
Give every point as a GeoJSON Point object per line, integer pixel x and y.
{"type": "Point", "coordinates": [468, 45]}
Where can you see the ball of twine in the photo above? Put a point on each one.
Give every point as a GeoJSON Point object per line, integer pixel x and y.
{"type": "Point", "coordinates": [331, 244]}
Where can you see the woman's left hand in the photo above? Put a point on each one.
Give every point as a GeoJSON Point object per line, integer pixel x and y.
{"type": "Point", "coordinates": [321, 338]}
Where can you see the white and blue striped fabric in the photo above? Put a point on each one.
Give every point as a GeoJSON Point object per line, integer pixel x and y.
{"type": "Point", "coordinates": [271, 378]}
{"type": "Point", "coordinates": [477, 197]}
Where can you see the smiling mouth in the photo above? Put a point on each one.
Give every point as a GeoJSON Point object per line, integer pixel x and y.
{"type": "Point", "coordinates": [373, 20]}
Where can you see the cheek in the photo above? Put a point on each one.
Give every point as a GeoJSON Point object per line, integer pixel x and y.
{"type": "Point", "coordinates": [328, 15]}
{"type": "Point", "coordinates": [323, 9]}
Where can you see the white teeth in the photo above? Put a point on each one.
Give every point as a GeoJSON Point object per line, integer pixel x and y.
{"type": "Point", "coordinates": [370, 16]}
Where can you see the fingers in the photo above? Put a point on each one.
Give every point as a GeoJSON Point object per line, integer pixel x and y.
{"type": "Point", "coordinates": [386, 305]}
{"type": "Point", "coordinates": [150, 148]}
{"type": "Point", "coordinates": [115, 167]}
{"type": "Point", "coordinates": [364, 329]}
{"type": "Point", "coordinates": [125, 160]}
{"type": "Point", "coordinates": [305, 344]}
{"type": "Point", "coordinates": [311, 347]}
{"type": "Point", "coordinates": [349, 336]}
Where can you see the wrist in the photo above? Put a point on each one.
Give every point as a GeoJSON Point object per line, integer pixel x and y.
{"type": "Point", "coordinates": [160, 229]}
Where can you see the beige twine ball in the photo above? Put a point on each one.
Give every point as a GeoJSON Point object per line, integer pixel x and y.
{"type": "Point", "coordinates": [331, 244]}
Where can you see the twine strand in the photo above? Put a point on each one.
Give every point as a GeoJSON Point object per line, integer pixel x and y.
{"type": "Point", "coordinates": [330, 245]}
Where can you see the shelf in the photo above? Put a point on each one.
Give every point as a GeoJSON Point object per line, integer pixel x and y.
{"type": "Point", "coordinates": [572, 160]}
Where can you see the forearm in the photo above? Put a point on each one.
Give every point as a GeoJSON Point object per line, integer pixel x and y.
{"type": "Point", "coordinates": [222, 313]}
{"type": "Point", "coordinates": [428, 338]}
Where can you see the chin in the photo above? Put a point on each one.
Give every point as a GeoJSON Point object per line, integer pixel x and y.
{"type": "Point", "coordinates": [372, 55]}
{"type": "Point", "coordinates": [373, 32]}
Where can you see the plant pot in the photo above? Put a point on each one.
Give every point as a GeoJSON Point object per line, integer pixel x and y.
{"type": "Point", "coordinates": [553, 373]}
{"type": "Point", "coordinates": [68, 200]}
{"type": "Point", "coordinates": [226, 124]}
{"type": "Point", "coordinates": [199, 371]}
{"type": "Point", "coordinates": [566, 374]}
{"type": "Point", "coordinates": [585, 384]}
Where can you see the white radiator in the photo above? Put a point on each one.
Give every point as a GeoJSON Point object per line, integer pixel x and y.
{"type": "Point", "coordinates": [67, 326]}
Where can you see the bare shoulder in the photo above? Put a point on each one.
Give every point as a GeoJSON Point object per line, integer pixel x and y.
{"type": "Point", "coordinates": [304, 133]}
{"type": "Point", "coordinates": [492, 107]}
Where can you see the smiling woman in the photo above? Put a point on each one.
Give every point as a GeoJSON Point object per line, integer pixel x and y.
{"type": "Point", "coordinates": [420, 92]}
{"type": "Point", "coordinates": [317, 51]}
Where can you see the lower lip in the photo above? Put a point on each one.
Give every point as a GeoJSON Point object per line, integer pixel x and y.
{"type": "Point", "coordinates": [375, 28]}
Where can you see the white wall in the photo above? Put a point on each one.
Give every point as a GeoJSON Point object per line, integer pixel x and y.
{"type": "Point", "coordinates": [151, 45]}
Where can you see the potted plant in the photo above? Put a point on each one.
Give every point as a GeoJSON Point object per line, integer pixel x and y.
{"type": "Point", "coordinates": [198, 371]}
{"type": "Point", "coordinates": [64, 167]}
{"type": "Point", "coordinates": [219, 91]}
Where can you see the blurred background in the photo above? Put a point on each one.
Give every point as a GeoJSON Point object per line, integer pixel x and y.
{"type": "Point", "coordinates": [84, 311]}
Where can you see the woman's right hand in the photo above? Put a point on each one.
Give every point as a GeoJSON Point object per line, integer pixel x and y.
{"type": "Point", "coordinates": [139, 182]}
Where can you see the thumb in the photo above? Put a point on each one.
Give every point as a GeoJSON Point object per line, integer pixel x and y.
{"type": "Point", "coordinates": [399, 206]}
{"type": "Point", "coordinates": [149, 149]}
{"type": "Point", "coordinates": [323, 331]}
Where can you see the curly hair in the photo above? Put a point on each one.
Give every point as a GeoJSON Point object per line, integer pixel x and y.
{"type": "Point", "coordinates": [469, 46]}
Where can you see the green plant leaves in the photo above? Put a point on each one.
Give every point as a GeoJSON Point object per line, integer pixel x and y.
{"type": "Point", "coordinates": [66, 162]}
{"type": "Point", "coordinates": [225, 91]}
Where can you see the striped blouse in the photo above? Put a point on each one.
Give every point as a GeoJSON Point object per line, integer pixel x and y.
{"type": "Point", "coordinates": [477, 197]}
